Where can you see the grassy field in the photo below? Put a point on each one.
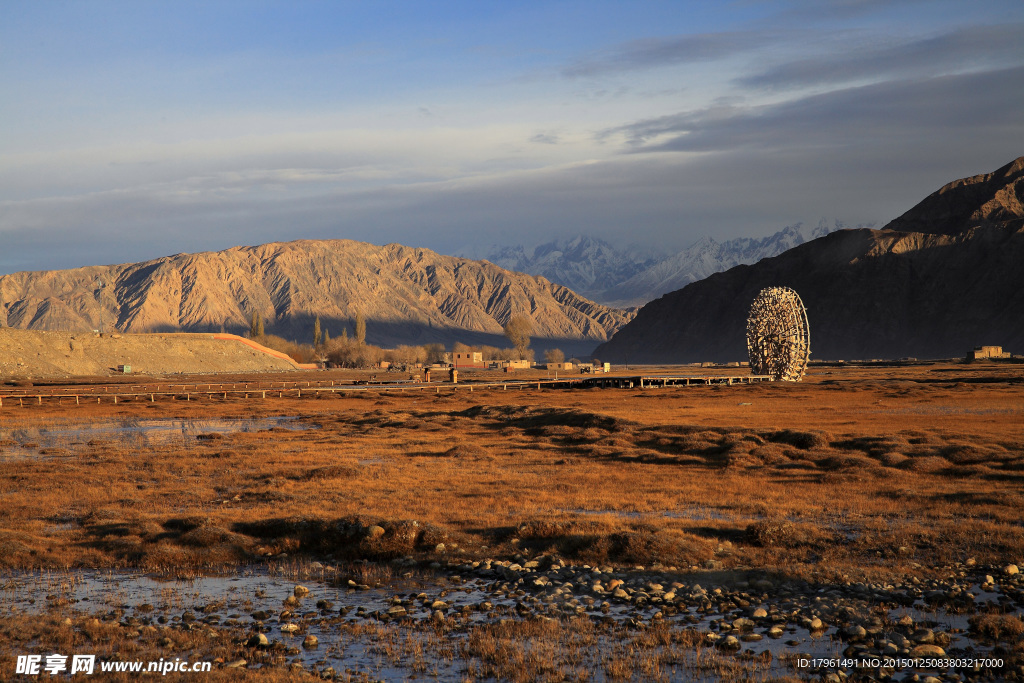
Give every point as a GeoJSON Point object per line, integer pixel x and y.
{"type": "Point", "coordinates": [855, 474]}
{"type": "Point", "coordinates": [855, 470]}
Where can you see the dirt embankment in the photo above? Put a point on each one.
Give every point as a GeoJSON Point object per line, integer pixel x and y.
{"type": "Point", "coordinates": [29, 354]}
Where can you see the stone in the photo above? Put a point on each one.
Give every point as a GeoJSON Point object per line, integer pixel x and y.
{"type": "Point", "coordinates": [760, 613]}
{"type": "Point", "coordinates": [856, 632]}
{"type": "Point", "coordinates": [923, 635]}
{"type": "Point", "coordinates": [257, 640]}
{"type": "Point", "coordinates": [743, 624]}
{"type": "Point", "coordinates": [927, 650]}
{"type": "Point", "coordinates": [300, 591]}
{"type": "Point", "coordinates": [289, 628]}
{"type": "Point", "coordinates": [816, 624]}
{"type": "Point", "coordinates": [310, 642]}
{"type": "Point", "coordinates": [237, 664]}
{"type": "Point", "coordinates": [1011, 570]}
{"type": "Point", "coordinates": [375, 531]}
{"type": "Point", "coordinates": [729, 643]}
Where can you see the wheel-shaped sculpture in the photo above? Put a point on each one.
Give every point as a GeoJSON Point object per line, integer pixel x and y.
{"type": "Point", "coordinates": [778, 336]}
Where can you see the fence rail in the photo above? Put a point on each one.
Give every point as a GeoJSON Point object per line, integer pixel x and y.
{"type": "Point", "coordinates": [312, 389]}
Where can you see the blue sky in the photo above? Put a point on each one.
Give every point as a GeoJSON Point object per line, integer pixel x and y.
{"type": "Point", "coordinates": [130, 130]}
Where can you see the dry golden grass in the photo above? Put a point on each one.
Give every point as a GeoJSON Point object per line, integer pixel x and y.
{"type": "Point", "coordinates": [854, 471]}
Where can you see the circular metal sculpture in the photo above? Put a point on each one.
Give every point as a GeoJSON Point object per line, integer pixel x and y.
{"type": "Point", "coordinates": [778, 336]}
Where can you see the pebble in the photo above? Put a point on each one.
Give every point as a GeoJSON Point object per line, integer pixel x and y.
{"type": "Point", "coordinates": [1011, 570]}
{"type": "Point", "coordinates": [742, 609]}
{"type": "Point", "coordinates": [237, 664]}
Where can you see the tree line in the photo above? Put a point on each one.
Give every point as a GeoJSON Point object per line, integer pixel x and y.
{"type": "Point", "coordinates": [354, 352]}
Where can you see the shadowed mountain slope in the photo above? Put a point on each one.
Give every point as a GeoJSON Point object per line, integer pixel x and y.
{"type": "Point", "coordinates": [940, 279]}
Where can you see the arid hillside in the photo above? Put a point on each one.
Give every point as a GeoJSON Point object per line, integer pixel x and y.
{"type": "Point", "coordinates": [55, 355]}
{"type": "Point", "coordinates": [940, 279]}
{"type": "Point", "coordinates": [406, 295]}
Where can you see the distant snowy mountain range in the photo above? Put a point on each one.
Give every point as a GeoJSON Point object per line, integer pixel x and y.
{"type": "Point", "coordinates": [631, 277]}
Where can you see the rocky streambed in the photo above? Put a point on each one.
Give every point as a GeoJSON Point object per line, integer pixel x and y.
{"type": "Point", "coordinates": [528, 618]}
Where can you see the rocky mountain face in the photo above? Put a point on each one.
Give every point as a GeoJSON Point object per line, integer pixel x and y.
{"type": "Point", "coordinates": [406, 295]}
{"type": "Point", "coordinates": [935, 282]}
{"type": "Point", "coordinates": [626, 278]}
{"type": "Point", "coordinates": [583, 264]}
{"type": "Point", "coordinates": [705, 258]}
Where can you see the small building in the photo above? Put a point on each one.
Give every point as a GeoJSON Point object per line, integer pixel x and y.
{"type": "Point", "coordinates": [124, 369]}
{"type": "Point", "coordinates": [509, 365]}
{"type": "Point", "coordinates": [560, 366]}
{"type": "Point", "coordinates": [468, 359]}
{"type": "Point", "coordinates": [986, 352]}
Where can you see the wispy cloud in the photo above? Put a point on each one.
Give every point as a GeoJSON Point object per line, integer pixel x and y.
{"type": "Point", "coordinates": [877, 58]}
{"type": "Point", "coordinates": [889, 113]}
{"type": "Point", "coordinates": [684, 49]}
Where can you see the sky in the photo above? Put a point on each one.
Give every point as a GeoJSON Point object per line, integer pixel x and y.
{"type": "Point", "coordinates": [132, 130]}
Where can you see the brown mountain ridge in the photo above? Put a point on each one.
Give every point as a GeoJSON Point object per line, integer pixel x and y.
{"type": "Point", "coordinates": [407, 296]}
{"type": "Point", "coordinates": [942, 278]}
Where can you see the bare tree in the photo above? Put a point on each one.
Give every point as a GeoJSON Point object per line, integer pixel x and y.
{"type": "Point", "coordinates": [256, 328]}
{"type": "Point", "coordinates": [518, 331]}
{"type": "Point", "coordinates": [360, 328]}
{"type": "Point", "coordinates": [554, 356]}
